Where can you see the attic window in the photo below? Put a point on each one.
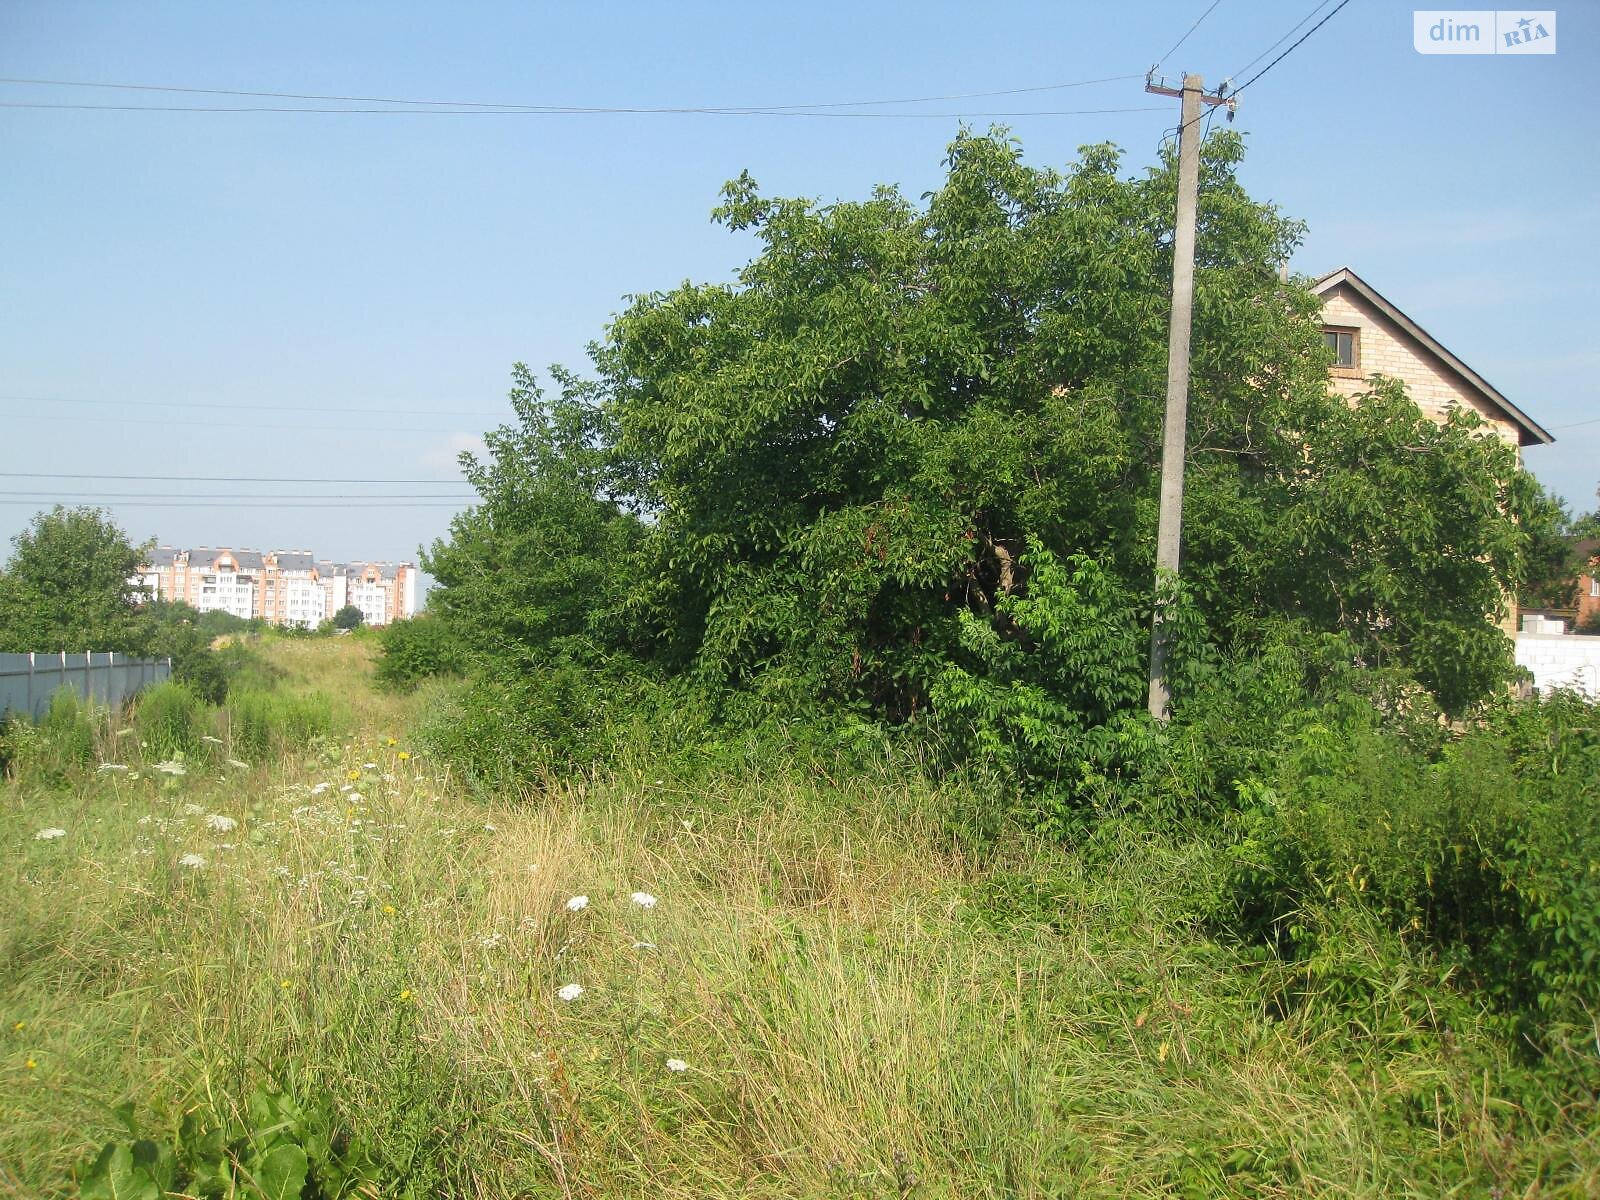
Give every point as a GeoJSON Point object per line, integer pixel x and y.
{"type": "Point", "coordinates": [1345, 344]}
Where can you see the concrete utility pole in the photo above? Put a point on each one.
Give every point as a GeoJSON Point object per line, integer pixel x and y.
{"type": "Point", "coordinates": [1169, 534]}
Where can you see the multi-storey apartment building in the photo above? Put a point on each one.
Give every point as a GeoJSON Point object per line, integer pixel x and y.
{"type": "Point", "coordinates": [283, 587]}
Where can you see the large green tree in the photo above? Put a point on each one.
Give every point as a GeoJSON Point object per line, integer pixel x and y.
{"type": "Point", "coordinates": [71, 584]}
{"type": "Point", "coordinates": [865, 444]}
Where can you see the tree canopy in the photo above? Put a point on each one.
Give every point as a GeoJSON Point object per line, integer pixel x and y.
{"type": "Point", "coordinates": [71, 584]}
{"type": "Point", "coordinates": [348, 617]}
{"type": "Point", "coordinates": [836, 476]}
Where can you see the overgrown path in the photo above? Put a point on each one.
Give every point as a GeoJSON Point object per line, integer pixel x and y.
{"type": "Point", "coordinates": [770, 981]}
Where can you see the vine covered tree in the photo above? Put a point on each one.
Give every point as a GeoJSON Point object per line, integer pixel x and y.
{"type": "Point", "coordinates": [828, 478]}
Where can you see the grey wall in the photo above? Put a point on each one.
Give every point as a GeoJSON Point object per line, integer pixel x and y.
{"type": "Point", "coordinates": [27, 681]}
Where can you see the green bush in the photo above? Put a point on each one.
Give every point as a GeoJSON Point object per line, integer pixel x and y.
{"type": "Point", "coordinates": [413, 650]}
{"type": "Point", "coordinates": [276, 1149]}
{"type": "Point", "coordinates": [172, 719]}
{"type": "Point", "coordinates": [261, 723]}
{"type": "Point", "coordinates": [504, 728]}
{"type": "Point", "coordinates": [1488, 850]}
{"type": "Point", "coordinates": [53, 748]}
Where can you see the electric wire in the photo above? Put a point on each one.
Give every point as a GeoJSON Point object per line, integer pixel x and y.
{"type": "Point", "coordinates": [1319, 6]}
{"type": "Point", "coordinates": [559, 108]}
{"type": "Point", "coordinates": [518, 112]}
{"type": "Point", "coordinates": [1185, 37]}
{"type": "Point", "coordinates": [225, 479]}
{"type": "Point", "coordinates": [275, 407]}
{"type": "Point", "coordinates": [1332, 13]}
{"type": "Point", "coordinates": [111, 418]}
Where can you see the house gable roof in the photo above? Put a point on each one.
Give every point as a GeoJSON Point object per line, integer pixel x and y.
{"type": "Point", "coordinates": [1529, 432]}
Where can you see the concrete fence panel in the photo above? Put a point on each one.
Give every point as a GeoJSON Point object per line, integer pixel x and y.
{"type": "Point", "coordinates": [27, 681]}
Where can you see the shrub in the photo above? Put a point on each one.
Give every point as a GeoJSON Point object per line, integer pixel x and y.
{"type": "Point", "coordinates": [410, 651]}
{"type": "Point", "coordinates": [261, 723]}
{"type": "Point", "coordinates": [172, 720]}
{"type": "Point", "coordinates": [276, 1149]}
{"type": "Point", "coordinates": [50, 750]}
{"type": "Point", "coordinates": [503, 727]}
{"type": "Point", "coordinates": [1490, 850]}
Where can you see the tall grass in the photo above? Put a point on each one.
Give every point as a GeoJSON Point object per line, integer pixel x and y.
{"type": "Point", "coordinates": [868, 1001]}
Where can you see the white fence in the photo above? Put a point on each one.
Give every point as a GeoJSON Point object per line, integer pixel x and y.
{"type": "Point", "coordinates": [1559, 660]}
{"type": "Point", "coordinates": [27, 681]}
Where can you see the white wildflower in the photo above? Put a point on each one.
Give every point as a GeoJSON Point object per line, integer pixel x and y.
{"type": "Point", "coordinates": [122, 732]}
{"type": "Point", "coordinates": [192, 861]}
{"type": "Point", "coordinates": [215, 741]}
{"type": "Point", "coordinates": [355, 797]}
{"type": "Point", "coordinates": [172, 767]}
{"type": "Point", "coordinates": [577, 904]}
{"type": "Point", "coordinates": [488, 828]}
{"type": "Point", "coordinates": [570, 992]}
{"type": "Point", "coordinates": [320, 788]}
{"type": "Point", "coordinates": [676, 1065]}
{"type": "Point", "coordinates": [221, 823]}
{"type": "Point", "coordinates": [644, 945]}
{"type": "Point", "coordinates": [49, 835]}
{"type": "Point", "coordinates": [146, 819]}
{"type": "Point", "coordinates": [111, 767]}
{"type": "Point", "coordinates": [284, 871]}
{"type": "Point", "coordinates": [491, 941]}
{"type": "Point", "coordinates": [369, 766]}
{"type": "Point", "coordinates": [643, 899]}
{"type": "Point", "coordinates": [237, 765]}
{"type": "Point", "coordinates": [192, 810]}
{"type": "Point", "coordinates": [347, 787]}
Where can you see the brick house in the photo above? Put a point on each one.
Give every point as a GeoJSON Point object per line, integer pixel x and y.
{"type": "Point", "coordinates": [1588, 602]}
{"type": "Point", "coordinates": [1370, 336]}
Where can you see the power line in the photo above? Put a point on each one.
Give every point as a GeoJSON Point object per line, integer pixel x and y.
{"type": "Point", "coordinates": [108, 418]}
{"type": "Point", "coordinates": [1333, 13]}
{"type": "Point", "coordinates": [31, 492]}
{"type": "Point", "coordinates": [252, 504]}
{"type": "Point", "coordinates": [226, 479]}
{"type": "Point", "coordinates": [522, 112]}
{"type": "Point", "coordinates": [1320, 5]}
{"type": "Point", "coordinates": [1185, 37]}
{"type": "Point", "coordinates": [275, 407]}
{"type": "Point", "coordinates": [557, 108]}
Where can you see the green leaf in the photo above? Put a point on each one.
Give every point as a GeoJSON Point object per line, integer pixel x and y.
{"type": "Point", "coordinates": [281, 1173]}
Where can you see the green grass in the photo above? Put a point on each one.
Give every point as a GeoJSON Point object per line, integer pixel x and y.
{"type": "Point", "coordinates": [870, 1002]}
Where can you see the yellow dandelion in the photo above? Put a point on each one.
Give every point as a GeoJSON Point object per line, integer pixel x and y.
{"type": "Point", "coordinates": [354, 773]}
{"type": "Point", "coordinates": [403, 755]}
{"type": "Point", "coordinates": [19, 1026]}
{"type": "Point", "coordinates": [391, 741]}
{"type": "Point", "coordinates": [388, 910]}
{"type": "Point", "coordinates": [405, 994]}
{"type": "Point", "coordinates": [32, 1066]}
{"type": "Point", "coordinates": [286, 983]}
{"type": "Point", "coordinates": [1163, 1051]}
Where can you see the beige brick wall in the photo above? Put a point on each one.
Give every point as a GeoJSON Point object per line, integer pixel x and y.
{"type": "Point", "coordinates": [1386, 349]}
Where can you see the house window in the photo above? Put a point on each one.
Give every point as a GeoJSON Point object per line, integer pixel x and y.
{"type": "Point", "coordinates": [1594, 586]}
{"type": "Point", "coordinates": [1346, 345]}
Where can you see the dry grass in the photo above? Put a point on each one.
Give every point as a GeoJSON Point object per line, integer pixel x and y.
{"type": "Point", "coordinates": [866, 1007]}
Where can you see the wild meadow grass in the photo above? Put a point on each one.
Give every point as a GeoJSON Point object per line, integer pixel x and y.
{"type": "Point", "coordinates": [787, 983]}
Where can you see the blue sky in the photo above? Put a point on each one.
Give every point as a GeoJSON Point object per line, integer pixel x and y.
{"type": "Point", "coordinates": [293, 280]}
